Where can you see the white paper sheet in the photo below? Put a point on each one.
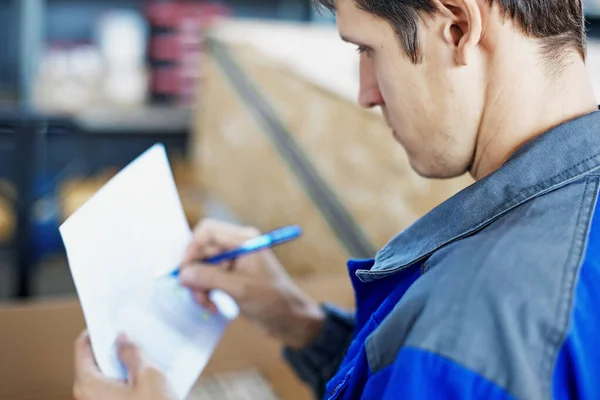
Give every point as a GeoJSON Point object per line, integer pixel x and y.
{"type": "Point", "coordinates": [116, 243]}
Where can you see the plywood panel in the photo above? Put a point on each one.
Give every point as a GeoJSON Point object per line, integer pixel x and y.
{"type": "Point", "coordinates": [239, 165]}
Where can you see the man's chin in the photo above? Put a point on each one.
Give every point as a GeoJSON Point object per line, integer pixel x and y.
{"type": "Point", "coordinates": [424, 172]}
{"type": "Point", "coordinates": [429, 169]}
{"type": "Point", "coordinates": [434, 171]}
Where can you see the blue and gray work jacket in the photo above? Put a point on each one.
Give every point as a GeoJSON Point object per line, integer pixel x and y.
{"type": "Point", "coordinates": [494, 294]}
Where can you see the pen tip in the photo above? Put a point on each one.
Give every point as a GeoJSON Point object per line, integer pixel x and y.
{"type": "Point", "coordinates": [162, 274]}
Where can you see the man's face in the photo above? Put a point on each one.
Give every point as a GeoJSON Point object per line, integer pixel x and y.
{"type": "Point", "coordinates": [433, 107]}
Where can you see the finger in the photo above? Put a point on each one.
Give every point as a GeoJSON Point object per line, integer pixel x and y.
{"type": "Point", "coordinates": [227, 265]}
{"type": "Point", "coordinates": [212, 241]}
{"type": "Point", "coordinates": [204, 300]}
{"type": "Point", "coordinates": [89, 382]}
{"type": "Point", "coordinates": [99, 387]}
{"type": "Point", "coordinates": [131, 356]}
{"type": "Point", "coordinates": [197, 252]}
{"type": "Point", "coordinates": [221, 231]}
{"type": "Point", "coordinates": [204, 278]}
{"type": "Point", "coordinates": [222, 234]}
{"type": "Point", "coordinates": [85, 363]}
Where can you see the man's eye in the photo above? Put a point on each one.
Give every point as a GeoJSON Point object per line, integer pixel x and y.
{"type": "Point", "coordinates": [364, 50]}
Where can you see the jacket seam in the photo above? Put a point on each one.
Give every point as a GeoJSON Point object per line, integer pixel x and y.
{"type": "Point", "coordinates": [542, 191]}
{"type": "Point", "coordinates": [555, 338]}
{"type": "Point", "coordinates": [372, 350]}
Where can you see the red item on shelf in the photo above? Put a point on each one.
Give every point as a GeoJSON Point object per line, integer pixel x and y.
{"type": "Point", "coordinates": [165, 80]}
{"type": "Point", "coordinates": [164, 47]}
{"type": "Point", "coordinates": [178, 39]}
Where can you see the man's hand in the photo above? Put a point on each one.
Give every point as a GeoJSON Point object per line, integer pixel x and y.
{"type": "Point", "coordinates": [144, 382]}
{"type": "Point", "coordinates": [257, 282]}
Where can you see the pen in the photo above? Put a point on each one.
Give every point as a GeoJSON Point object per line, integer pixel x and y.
{"type": "Point", "coordinates": [267, 240]}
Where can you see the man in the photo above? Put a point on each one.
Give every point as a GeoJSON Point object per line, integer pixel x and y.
{"type": "Point", "coordinates": [492, 295]}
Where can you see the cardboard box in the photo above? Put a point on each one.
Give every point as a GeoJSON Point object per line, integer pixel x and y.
{"type": "Point", "coordinates": [280, 140]}
{"type": "Point", "coordinates": [36, 347]}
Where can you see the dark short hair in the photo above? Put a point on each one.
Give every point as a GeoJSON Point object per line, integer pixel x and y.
{"type": "Point", "coordinates": [559, 24]}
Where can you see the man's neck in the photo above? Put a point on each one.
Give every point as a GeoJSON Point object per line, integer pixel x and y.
{"type": "Point", "coordinates": [525, 101]}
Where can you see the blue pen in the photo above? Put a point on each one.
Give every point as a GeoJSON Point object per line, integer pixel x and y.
{"type": "Point", "coordinates": [273, 238]}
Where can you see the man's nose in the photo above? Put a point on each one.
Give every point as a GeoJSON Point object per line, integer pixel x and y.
{"type": "Point", "coordinates": [369, 95]}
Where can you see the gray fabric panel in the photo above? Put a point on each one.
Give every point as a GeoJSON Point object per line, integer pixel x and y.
{"type": "Point", "coordinates": [499, 302]}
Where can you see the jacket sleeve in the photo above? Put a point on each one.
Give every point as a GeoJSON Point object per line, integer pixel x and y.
{"type": "Point", "coordinates": [420, 374]}
{"type": "Point", "coordinates": [317, 363]}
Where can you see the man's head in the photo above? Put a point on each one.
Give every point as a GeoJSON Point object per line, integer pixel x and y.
{"type": "Point", "coordinates": [436, 67]}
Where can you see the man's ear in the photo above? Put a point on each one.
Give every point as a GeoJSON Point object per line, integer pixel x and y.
{"type": "Point", "coordinates": [463, 27]}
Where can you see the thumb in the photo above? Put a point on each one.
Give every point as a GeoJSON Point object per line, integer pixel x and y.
{"type": "Point", "coordinates": [208, 277]}
{"type": "Point", "coordinates": [130, 355]}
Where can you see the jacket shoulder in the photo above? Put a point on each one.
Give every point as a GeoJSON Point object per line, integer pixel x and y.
{"type": "Point", "coordinates": [498, 302]}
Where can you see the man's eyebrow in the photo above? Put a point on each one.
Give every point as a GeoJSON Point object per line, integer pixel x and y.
{"type": "Point", "coordinates": [353, 41]}
{"type": "Point", "coordinates": [347, 39]}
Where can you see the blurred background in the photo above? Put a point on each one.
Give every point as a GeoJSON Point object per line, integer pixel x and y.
{"type": "Point", "coordinates": [255, 102]}
{"type": "Point", "coordinates": [87, 85]}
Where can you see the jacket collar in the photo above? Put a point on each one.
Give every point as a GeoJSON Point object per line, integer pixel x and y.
{"type": "Point", "coordinates": [554, 159]}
